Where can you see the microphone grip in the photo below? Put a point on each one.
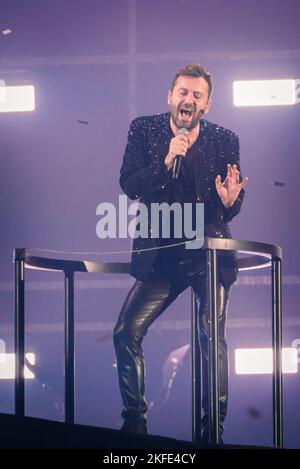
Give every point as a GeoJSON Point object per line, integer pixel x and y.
{"type": "Point", "coordinates": [176, 166]}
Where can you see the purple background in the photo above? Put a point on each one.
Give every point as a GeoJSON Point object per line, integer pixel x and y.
{"type": "Point", "coordinates": [105, 62]}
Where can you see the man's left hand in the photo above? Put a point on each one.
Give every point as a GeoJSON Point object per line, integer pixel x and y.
{"type": "Point", "coordinates": [231, 187]}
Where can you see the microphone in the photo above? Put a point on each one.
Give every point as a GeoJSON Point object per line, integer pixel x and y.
{"type": "Point", "coordinates": [178, 158]}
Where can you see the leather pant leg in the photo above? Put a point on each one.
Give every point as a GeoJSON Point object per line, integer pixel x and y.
{"type": "Point", "coordinates": [201, 292]}
{"type": "Point", "coordinates": [144, 303]}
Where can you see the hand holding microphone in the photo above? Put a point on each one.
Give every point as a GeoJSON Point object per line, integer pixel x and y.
{"type": "Point", "coordinates": [177, 150]}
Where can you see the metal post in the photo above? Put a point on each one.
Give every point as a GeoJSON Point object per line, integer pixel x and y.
{"type": "Point", "coordinates": [19, 260]}
{"type": "Point", "coordinates": [196, 375]}
{"type": "Point", "coordinates": [214, 413]}
{"type": "Point", "coordinates": [69, 347]}
{"type": "Point", "coordinates": [277, 352]}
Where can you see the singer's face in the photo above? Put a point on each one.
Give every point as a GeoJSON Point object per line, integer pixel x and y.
{"type": "Point", "coordinates": [188, 101]}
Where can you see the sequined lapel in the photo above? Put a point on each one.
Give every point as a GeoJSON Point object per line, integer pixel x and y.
{"type": "Point", "coordinates": [204, 167]}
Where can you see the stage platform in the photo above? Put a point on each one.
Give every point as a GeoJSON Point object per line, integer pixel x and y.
{"type": "Point", "coordinates": [27, 432]}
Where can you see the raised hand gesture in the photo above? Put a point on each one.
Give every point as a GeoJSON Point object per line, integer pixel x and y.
{"type": "Point", "coordinates": [229, 189]}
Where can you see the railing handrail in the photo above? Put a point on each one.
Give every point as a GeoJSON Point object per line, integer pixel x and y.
{"type": "Point", "coordinates": [260, 255]}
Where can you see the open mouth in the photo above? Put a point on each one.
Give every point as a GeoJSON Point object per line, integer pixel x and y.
{"type": "Point", "coordinates": [185, 113]}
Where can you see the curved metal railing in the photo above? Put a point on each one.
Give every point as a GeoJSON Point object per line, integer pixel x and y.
{"type": "Point", "coordinates": [255, 255]}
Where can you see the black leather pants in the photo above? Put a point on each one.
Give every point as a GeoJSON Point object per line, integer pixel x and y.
{"type": "Point", "coordinates": [144, 303]}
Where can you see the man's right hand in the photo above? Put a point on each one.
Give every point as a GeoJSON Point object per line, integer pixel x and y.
{"type": "Point", "coordinates": [178, 147]}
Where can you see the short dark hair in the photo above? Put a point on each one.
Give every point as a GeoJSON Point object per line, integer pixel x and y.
{"type": "Point", "coordinates": [194, 70]}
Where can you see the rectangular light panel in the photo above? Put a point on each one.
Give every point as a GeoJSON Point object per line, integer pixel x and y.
{"type": "Point", "coordinates": [7, 366]}
{"type": "Point", "coordinates": [264, 92]}
{"type": "Point", "coordinates": [17, 98]}
{"type": "Point", "coordinates": [260, 361]}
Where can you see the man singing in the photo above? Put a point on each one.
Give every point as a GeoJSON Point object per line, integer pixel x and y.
{"type": "Point", "coordinates": [209, 173]}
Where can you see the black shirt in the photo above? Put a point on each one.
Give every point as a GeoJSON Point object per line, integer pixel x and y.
{"type": "Point", "coordinates": [182, 190]}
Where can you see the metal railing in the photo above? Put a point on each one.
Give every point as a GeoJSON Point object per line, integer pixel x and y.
{"type": "Point", "coordinates": [259, 255]}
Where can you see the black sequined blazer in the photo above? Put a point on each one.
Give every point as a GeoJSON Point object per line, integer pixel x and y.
{"type": "Point", "coordinates": [144, 175]}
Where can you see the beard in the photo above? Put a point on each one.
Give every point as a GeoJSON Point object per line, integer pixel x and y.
{"type": "Point", "coordinates": [181, 123]}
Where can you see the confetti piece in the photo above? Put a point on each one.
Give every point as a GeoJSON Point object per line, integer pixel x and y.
{"type": "Point", "coordinates": [82, 122]}
{"type": "Point", "coordinates": [5, 32]}
{"type": "Point", "coordinates": [278, 183]}
{"type": "Point", "coordinates": [254, 413]}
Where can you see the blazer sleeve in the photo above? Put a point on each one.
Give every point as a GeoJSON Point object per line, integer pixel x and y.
{"type": "Point", "coordinates": [141, 175]}
{"type": "Point", "coordinates": [231, 156]}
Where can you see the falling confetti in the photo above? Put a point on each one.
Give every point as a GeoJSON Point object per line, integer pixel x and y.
{"type": "Point", "coordinates": [254, 413]}
{"type": "Point", "coordinates": [278, 183]}
{"type": "Point", "coordinates": [5, 32]}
